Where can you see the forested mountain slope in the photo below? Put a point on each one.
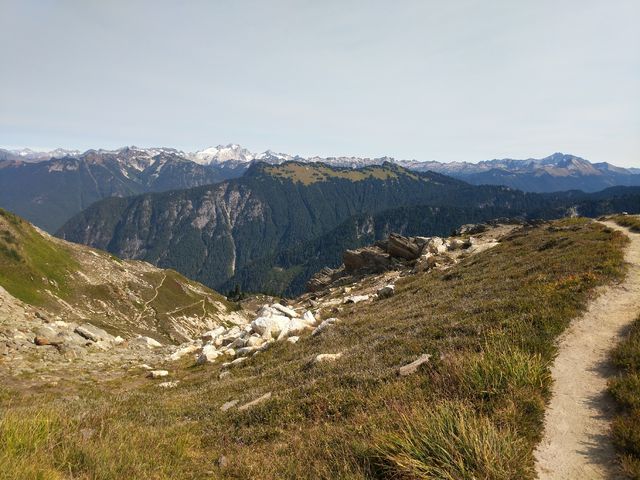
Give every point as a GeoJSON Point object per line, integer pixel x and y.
{"type": "Point", "coordinates": [209, 233]}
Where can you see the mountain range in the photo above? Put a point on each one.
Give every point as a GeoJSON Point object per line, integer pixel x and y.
{"type": "Point", "coordinates": [270, 229]}
{"type": "Point", "coordinates": [47, 188]}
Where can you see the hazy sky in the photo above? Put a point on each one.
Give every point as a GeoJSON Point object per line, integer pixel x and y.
{"type": "Point", "coordinates": [442, 80]}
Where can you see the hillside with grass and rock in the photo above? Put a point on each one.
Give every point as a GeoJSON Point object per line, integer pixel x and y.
{"type": "Point", "coordinates": [65, 306]}
{"type": "Point", "coordinates": [419, 356]}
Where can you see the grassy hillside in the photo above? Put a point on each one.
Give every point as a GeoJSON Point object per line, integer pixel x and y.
{"type": "Point", "coordinates": [31, 264]}
{"type": "Point", "coordinates": [76, 283]}
{"type": "Point", "coordinates": [307, 174]}
{"type": "Point", "coordinates": [473, 412]}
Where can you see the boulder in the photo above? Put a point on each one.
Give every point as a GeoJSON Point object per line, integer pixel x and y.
{"type": "Point", "coordinates": [209, 354]}
{"type": "Point", "coordinates": [147, 342]}
{"type": "Point", "coordinates": [297, 325]}
{"type": "Point", "coordinates": [425, 262]}
{"type": "Point", "coordinates": [41, 341]}
{"type": "Point", "coordinates": [370, 259]}
{"type": "Point", "coordinates": [327, 357]}
{"type": "Point", "coordinates": [289, 312]}
{"type": "Point", "coordinates": [293, 339]}
{"type": "Point", "coordinates": [322, 279]}
{"type": "Point", "coordinates": [471, 229]}
{"type": "Point", "coordinates": [323, 326]}
{"type": "Point", "coordinates": [181, 352]}
{"type": "Point", "coordinates": [241, 352]}
{"type": "Point", "coordinates": [412, 367]}
{"type": "Point", "coordinates": [435, 245]}
{"type": "Point", "coordinates": [266, 311]}
{"type": "Point", "coordinates": [457, 244]}
{"type": "Point", "coordinates": [255, 402]}
{"type": "Point", "coordinates": [402, 247]}
{"type": "Point", "coordinates": [93, 333]}
{"type": "Point", "coordinates": [211, 335]}
{"type": "Point", "coordinates": [309, 318]}
{"type": "Point", "coordinates": [270, 326]}
{"type": "Point", "coordinates": [239, 343]}
{"type": "Point", "coordinates": [157, 373]}
{"type": "Point", "coordinates": [254, 341]}
{"type": "Point", "coordinates": [386, 291]}
{"type": "Point", "coordinates": [356, 299]}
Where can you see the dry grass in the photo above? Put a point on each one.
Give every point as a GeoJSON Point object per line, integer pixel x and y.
{"type": "Point", "coordinates": [626, 391]}
{"type": "Point", "coordinates": [632, 222]}
{"type": "Point", "coordinates": [489, 323]}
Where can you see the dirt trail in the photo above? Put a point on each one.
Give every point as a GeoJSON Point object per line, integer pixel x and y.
{"type": "Point", "coordinates": [576, 441]}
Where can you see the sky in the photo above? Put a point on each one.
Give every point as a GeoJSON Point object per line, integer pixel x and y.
{"type": "Point", "coordinates": [458, 80]}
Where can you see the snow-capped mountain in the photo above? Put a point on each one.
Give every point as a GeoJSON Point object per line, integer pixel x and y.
{"type": "Point", "coordinates": [29, 155]}
{"type": "Point", "coordinates": [234, 154]}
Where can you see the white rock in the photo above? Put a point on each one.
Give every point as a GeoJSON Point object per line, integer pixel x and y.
{"type": "Point", "coordinates": [118, 340]}
{"type": "Point", "coordinates": [296, 326]}
{"type": "Point", "coordinates": [208, 355]}
{"type": "Point", "coordinates": [238, 360]}
{"type": "Point", "coordinates": [168, 384]}
{"type": "Point", "coordinates": [283, 333]}
{"type": "Point", "coordinates": [211, 335]}
{"type": "Point", "coordinates": [181, 352]}
{"type": "Point", "coordinates": [147, 342]}
{"type": "Point", "coordinates": [258, 400]}
{"type": "Point", "coordinates": [254, 341]}
{"type": "Point", "coordinates": [455, 244]}
{"type": "Point", "coordinates": [158, 373]}
{"type": "Point", "coordinates": [230, 404]}
{"type": "Point", "coordinates": [144, 366]}
{"type": "Point", "coordinates": [435, 245]}
{"type": "Point", "coordinates": [289, 312]}
{"type": "Point", "coordinates": [309, 318]}
{"type": "Point", "coordinates": [93, 333]}
{"type": "Point", "coordinates": [266, 311]}
{"type": "Point", "coordinates": [293, 339]}
{"type": "Point", "coordinates": [324, 325]}
{"type": "Point", "coordinates": [327, 357]}
{"type": "Point", "coordinates": [412, 367]}
{"type": "Point", "coordinates": [270, 326]}
{"type": "Point", "coordinates": [356, 299]}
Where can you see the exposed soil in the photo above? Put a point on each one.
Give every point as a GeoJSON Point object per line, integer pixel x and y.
{"type": "Point", "coordinates": [576, 441]}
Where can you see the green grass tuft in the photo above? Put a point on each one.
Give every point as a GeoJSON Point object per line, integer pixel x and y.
{"type": "Point", "coordinates": [452, 442]}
